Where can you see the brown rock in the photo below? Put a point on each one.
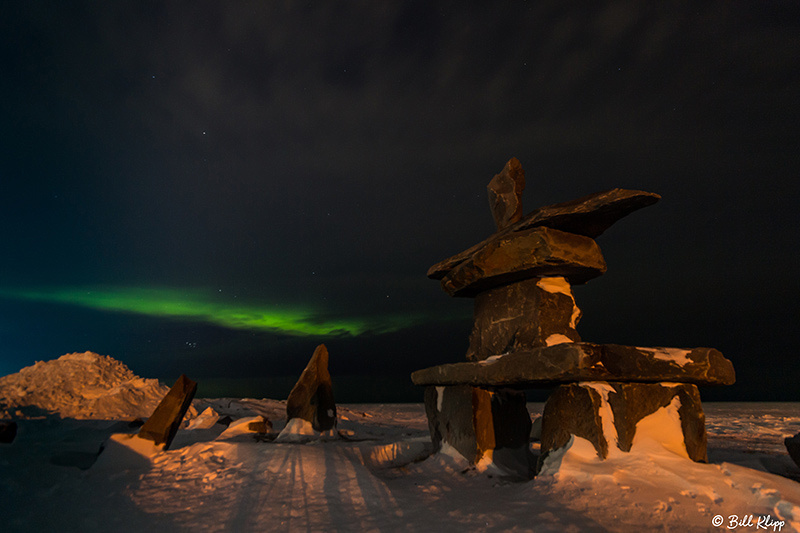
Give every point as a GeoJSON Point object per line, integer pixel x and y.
{"type": "Point", "coordinates": [537, 252]}
{"type": "Point", "coordinates": [584, 361]}
{"type": "Point", "coordinates": [589, 216]}
{"type": "Point", "coordinates": [163, 424]}
{"type": "Point", "coordinates": [312, 396]}
{"type": "Point", "coordinates": [793, 447]}
{"type": "Point", "coordinates": [482, 424]}
{"type": "Point", "coordinates": [261, 426]}
{"type": "Point", "coordinates": [505, 194]}
{"type": "Point", "coordinates": [580, 409]}
{"type": "Point", "coordinates": [523, 315]}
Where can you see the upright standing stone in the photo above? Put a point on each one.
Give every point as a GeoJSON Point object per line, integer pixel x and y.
{"type": "Point", "coordinates": [163, 424]}
{"type": "Point", "coordinates": [505, 194]}
{"type": "Point", "coordinates": [311, 398]}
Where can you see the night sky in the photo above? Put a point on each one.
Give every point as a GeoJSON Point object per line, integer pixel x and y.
{"type": "Point", "coordinates": [214, 188]}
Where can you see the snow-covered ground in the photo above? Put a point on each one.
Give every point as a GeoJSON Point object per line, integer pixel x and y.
{"type": "Point", "coordinates": [377, 477]}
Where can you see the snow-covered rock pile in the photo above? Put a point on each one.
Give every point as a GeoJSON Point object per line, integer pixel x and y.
{"type": "Point", "coordinates": [82, 386]}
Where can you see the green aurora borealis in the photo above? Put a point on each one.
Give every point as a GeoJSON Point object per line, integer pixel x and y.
{"type": "Point", "coordinates": [208, 307]}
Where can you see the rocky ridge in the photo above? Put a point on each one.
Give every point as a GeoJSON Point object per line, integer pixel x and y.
{"type": "Point", "coordinates": [81, 386]}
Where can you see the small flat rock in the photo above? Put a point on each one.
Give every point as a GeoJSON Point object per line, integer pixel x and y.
{"type": "Point", "coordinates": [261, 426]}
{"type": "Point", "coordinates": [163, 424]}
{"type": "Point", "coordinates": [536, 252]}
{"type": "Point", "coordinates": [311, 398]}
{"type": "Point", "coordinates": [583, 361]}
{"type": "Point", "coordinates": [589, 216]}
{"type": "Point", "coordinates": [505, 194]}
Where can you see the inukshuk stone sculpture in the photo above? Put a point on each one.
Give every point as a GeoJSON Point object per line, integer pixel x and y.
{"type": "Point", "coordinates": [524, 336]}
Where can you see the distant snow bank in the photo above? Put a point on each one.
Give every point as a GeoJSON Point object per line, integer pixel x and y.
{"type": "Point", "coordinates": [81, 386]}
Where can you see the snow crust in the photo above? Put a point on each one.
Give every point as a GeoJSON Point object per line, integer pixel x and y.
{"type": "Point", "coordinates": [383, 477]}
{"type": "Point", "coordinates": [492, 359]}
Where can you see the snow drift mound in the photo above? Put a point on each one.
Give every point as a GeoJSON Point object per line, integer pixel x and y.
{"type": "Point", "coordinates": [79, 385]}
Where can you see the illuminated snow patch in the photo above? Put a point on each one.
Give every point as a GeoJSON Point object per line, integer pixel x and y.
{"type": "Point", "coordinates": [673, 355]}
{"type": "Point", "coordinates": [557, 338]}
{"type": "Point", "coordinates": [555, 285]}
{"type": "Point", "coordinates": [661, 429]}
{"type": "Point", "coordinates": [559, 285]}
{"type": "Point", "coordinates": [605, 412]}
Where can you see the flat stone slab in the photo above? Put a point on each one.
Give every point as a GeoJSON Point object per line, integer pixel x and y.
{"type": "Point", "coordinates": [589, 216]}
{"type": "Point", "coordinates": [582, 361]}
{"type": "Point", "coordinates": [531, 253]}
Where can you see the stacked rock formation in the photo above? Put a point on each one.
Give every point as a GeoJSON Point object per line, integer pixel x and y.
{"type": "Point", "coordinates": [524, 336]}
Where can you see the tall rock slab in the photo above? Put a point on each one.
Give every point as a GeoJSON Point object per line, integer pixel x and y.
{"type": "Point", "coordinates": [311, 398]}
{"type": "Point", "coordinates": [163, 424]}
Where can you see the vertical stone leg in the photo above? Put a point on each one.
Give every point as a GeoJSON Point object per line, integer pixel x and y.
{"type": "Point", "coordinates": [616, 415]}
{"type": "Point", "coordinates": [484, 426]}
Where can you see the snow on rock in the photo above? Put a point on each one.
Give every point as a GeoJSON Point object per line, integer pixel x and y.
{"type": "Point", "coordinates": [605, 412]}
{"type": "Point", "coordinates": [243, 426]}
{"type": "Point", "coordinates": [560, 285]}
{"type": "Point", "coordinates": [205, 420]}
{"type": "Point", "coordinates": [81, 386]}
{"type": "Point", "coordinates": [401, 453]}
{"type": "Point", "coordinates": [300, 430]}
{"type": "Point", "coordinates": [658, 465]}
{"type": "Point", "coordinates": [675, 355]}
{"type": "Point", "coordinates": [557, 338]}
{"type": "Point", "coordinates": [661, 429]}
